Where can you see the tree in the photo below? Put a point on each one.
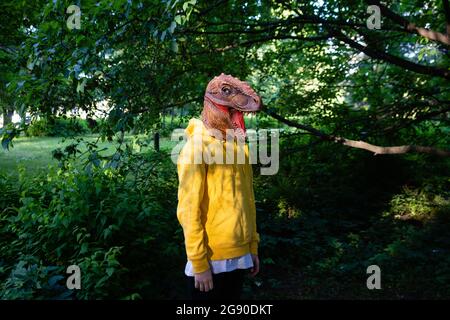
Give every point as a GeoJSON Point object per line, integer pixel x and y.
{"type": "Point", "coordinates": [350, 61]}
{"type": "Point", "coordinates": [317, 64]}
{"type": "Point", "coordinates": [17, 18]}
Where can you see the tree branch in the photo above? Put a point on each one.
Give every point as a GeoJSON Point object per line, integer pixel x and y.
{"type": "Point", "coordinates": [172, 105]}
{"type": "Point", "coordinates": [214, 6]}
{"type": "Point", "coordinates": [264, 39]}
{"type": "Point", "coordinates": [446, 6]}
{"type": "Point", "coordinates": [418, 68]}
{"type": "Point", "coordinates": [411, 27]}
{"type": "Point", "coordinates": [428, 70]}
{"type": "Point", "coordinates": [272, 25]}
{"type": "Point", "coordinates": [419, 118]}
{"type": "Point", "coordinates": [376, 150]}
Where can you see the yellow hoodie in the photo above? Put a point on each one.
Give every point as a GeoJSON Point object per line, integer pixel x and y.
{"type": "Point", "coordinates": [216, 204]}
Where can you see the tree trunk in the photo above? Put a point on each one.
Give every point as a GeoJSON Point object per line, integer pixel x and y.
{"type": "Point", "coordinates": [156, 141]}
{"type": "Point", "coordinates": [7, 116]}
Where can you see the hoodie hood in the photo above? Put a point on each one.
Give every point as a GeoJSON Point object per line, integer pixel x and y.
{"type": "Point", "coordinates": [197, 128]}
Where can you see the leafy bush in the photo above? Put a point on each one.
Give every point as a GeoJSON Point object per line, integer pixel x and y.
{"type": "Point", "coordinates": [418, 204]}
{"type": "Point", "coordinates": [329, 214]}
{"type": "Point", "coordinates": [323, 219]}
{"type": "Point", "coordinates": [57, 127]}
{"type": "Point", "coordinates": [119, 228]}
{"type": "Point", "coordinates": [29, 279]}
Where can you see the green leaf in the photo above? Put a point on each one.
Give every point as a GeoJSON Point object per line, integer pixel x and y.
{"type": "Point", "coordinates": [163, 35]}
{"type": "Point", "coordinates": [172, 27]}
{"type": "Point", "coordinates": [20, 85]}
{"type": "Point", "coordinates": [5, 143]}
{"type": "Point", "coordinates": [53, 280]}
{"type": "Point", "coordinates": [174, 4]}
{"type": "Point", "coordinates": [178, 19]}
{"type": "Point", "coordinates": [187, 3]}
{"type": "Point", "coordinates": [109, 271]}
{"type": "Point", "coordinates": [174, 46]}
{"type": "Point", "coordinates": [81, 85]}
{"type": "Point", "coordinates": [84, 248]}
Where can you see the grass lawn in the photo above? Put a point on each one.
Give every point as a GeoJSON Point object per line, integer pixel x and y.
{"type": "Point", "coordinates": [35, 153]}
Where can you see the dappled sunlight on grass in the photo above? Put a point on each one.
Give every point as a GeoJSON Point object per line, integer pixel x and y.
{"type": "Point", "coordinates": [35, 153]}
{"type": "Point", "coordinates": [418, 205]}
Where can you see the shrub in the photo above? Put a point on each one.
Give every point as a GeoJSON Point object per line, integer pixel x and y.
{"type": "Point", "coordinates": [119, 228]}
{"type": "Point", "coordinates": [323, 220]}
{"type": "Point", "coordinates": [57, 127]}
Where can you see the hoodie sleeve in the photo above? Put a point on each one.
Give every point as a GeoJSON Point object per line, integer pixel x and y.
{"type": "Point", "coordinates": [190, 194]}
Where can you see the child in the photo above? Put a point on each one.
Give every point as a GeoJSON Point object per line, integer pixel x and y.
{"type": "Point", "coordinates": [216, 205]}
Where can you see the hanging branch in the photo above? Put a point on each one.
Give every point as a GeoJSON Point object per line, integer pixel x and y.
{"type": "Point", "coordinates": [411, 27]}
{"type": "Point", "coordinates": [376, 150]}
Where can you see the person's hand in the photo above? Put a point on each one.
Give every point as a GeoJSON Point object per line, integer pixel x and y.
{"type": "Point", "coordinates": [204, 280]}
{"type": "Point", "coordinates": [254, 271]}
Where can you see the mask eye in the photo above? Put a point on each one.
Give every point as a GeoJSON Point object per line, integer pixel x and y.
{"type": "Point", "coordinates": [226, 91]}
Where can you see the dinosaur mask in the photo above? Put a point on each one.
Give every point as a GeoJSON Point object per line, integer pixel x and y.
{"type": "Point", "coordinates": [226, 100]}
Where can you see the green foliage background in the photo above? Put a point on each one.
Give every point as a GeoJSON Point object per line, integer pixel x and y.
{"type": "Point", "coordinates": [329, 213]}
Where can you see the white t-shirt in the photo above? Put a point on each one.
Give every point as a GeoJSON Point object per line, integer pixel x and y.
{"type": "Point", "coordinates": [225, 265]}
